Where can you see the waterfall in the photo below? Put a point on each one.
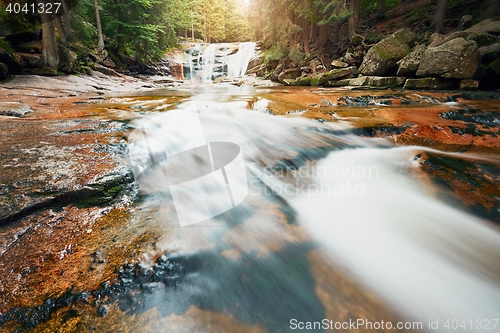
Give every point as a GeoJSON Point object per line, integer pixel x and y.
{"type": "Point", "coordinates": [237, 63]}
{"type": "Point", "coordinates": [208, 58]}
{"type": "Point", "coordinates": [215, 61]}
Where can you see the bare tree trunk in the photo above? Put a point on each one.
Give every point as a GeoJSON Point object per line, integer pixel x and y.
{"type": "Point", "coordinates": [439, 15]}
{"type": "Point", "coordinates": [357, 4]}
{"type": "Point", "coordinates": [60, 30]}
{"type": "Point", "coordinates": [350, 22]}
{"type": "Point", "coordinates": [100, 44]}
{"type": "Point", "coordinates": [336, 33]}
{"type": "Point", "coordinates": [323, 36]}
{"type": "Point", "coordinates": [50, 58]}
{"type": "Point", "coordinates": [66, 19]}
{"type": "Point", "coordinates": [314, 32]}
{"type": "Point", "coordinates": [381, 6]}
{"type": "Point", "coordinates": [305, 37]}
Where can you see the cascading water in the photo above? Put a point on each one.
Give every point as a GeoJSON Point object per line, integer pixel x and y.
{"type": "Point", "coordinates": [214, 61]}
{"type": "Point", "coordinates": [237, 63]}
{"type": "Point", "coordinates": [208, 58]}
{"type": "Point", "coordinates": [364, 205]}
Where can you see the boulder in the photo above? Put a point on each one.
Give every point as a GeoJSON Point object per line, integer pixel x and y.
{"type": "Point", "coordinates": [336, 74]}
{"type": "Point", "coordinates": [465, 22]}
{"type": "Point", "coordinates": [456, 59]}
{"type": "Point", "coordinates": [14, 109]}
{"type": "Point", "coordinates": [67, 60]}
{"type": "Point", "coordinates": [430, 83]}
{"type": "Point", "coordinates": [43, 71]}
{"type": "Point", "coordinates": [4, 71]}
{"type": "Point", "coordinates": [469, 84]}
{"type": "Point", "coordinates": [339, 64]}
{"type": "Point", "coordinates": [290, 82]}
{"type": "Point", "coordinates": [489, 53]}
{"type": "Point", "coordinates": [488, 26]}
{"type": "Point", "coordinates": [254, 62]}
{"type": "Point", "coordinates": [385, 81]}
{"type": "Point", "coordinates": [31, 60]}
{"type": "Point", "coordinates": [12, 63]}
{"type": "Point", "coordinates": [481, 38]}
{"type": "Point", "coordinates": [385, 54]}
{"type": "Point", "coordinates": [291, 73]}
{"type": "Point", "coordinates": [435, 38]}
{"type": "Point", "coordinates": [357, 82]}
{"type": "Point", "coordinates": [409, 64]}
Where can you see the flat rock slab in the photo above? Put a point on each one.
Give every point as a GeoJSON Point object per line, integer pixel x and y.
{"type": "Point", "coordinates": [14, 109]}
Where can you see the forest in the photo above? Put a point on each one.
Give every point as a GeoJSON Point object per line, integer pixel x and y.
{"type": "Point", "coordinates": [139, 32]}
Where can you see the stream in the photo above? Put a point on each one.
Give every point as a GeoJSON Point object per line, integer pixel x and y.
{"type": "Point", "coordinates": [345, 206]}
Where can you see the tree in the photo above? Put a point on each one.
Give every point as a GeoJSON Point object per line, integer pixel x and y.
{"type": "Point", "coordinates": [50, 57]}
{"type": "Point", "coordinates": [439, 15]}
{"type": "Point", "coordinates": [100, 44]}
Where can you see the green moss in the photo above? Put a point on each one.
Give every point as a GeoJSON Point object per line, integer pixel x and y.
{"type": "Point", "coordinates": [314, 81]}
{"type": "Point", "coordinates": [495, 66]}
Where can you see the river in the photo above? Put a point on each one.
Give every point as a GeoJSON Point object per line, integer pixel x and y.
{"type": "Point", "coordinates": [354, 206]}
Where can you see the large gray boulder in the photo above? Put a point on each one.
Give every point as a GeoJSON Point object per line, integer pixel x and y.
{"type": "Point", "coordinates": [338, 73]}
{"type": "Point", "coordinates": [409, 64]}
{"type": "Point", "coordinates": [386, 53]}
{"type": "Point", "coordinates": [456, 59]}
{"type": "Point", "coordinates": [487, 26]}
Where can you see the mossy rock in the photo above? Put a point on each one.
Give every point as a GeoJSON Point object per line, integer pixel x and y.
{"type": "Point", "coordinates": [315, 80]}
{"type": "Point", "coordinates": [495, 67]}
{"type": "Point", "coordinates": [385, 54]}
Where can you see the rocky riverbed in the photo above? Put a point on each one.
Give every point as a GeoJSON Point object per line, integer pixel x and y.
{"type": "Point", "coordinates": [74, 239]}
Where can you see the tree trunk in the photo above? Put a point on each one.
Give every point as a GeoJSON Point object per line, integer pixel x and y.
{"type": "Point", "coordinates": [305, 37]}
{"type": "Point", "coordinates": [336, 33]}
{"type": "Point", "coordinates": [60, 30]}
{"type": "Point", "coordinates": [66, 19]}
{"type": "Point", "coordinates": [439, 15]}
{"type": "Point", "coordinates": [100, 44]}
{"type": "Point", "coordinates": [49, 46]}
{"type": "Point", "coordinates": [323, 36]}
{"type": "Point", "coordinates": [357, 5]}
{"type": "Point", "coordinates": [314, 32]}
{"type": "Point", "coordinates": [381, 6]}
{"type": "Point", "coordinates": [350, 31]}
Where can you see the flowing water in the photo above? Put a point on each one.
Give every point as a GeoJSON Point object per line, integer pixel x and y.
{"type": "Point", "coordinates": [316, 189]}
{"type": "Point", "coordinates": [265, 209]}
{"type": "Point", "coordinates": [205, 63]}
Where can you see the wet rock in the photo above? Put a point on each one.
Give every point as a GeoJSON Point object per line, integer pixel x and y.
{"type": "Point", "coordinates": [429, 83]}
{"type": "Point", "coordinates": [102, 311]}
{"type": "Point", "coordinates": [14, 109]}
{"type": "Point", "coordinates": [469, 84]}
{"type": "Point", "coordinates": [409, 64]}
{"type": "Point", "coordinates": [456, 59]}
{"type": "Point", "coordinates": [336, 74]}
{"type": "Point", "coordinates": [385, 54]}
